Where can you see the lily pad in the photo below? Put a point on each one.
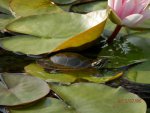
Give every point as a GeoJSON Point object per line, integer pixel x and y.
{"type": "Point", "coordinates": [89, 7]}
{"type": "Point", "coordinates": [68, 77]}
{"type": "Point", "coordinates": [55, 32]}
{"type": "Point", "coordinates": [100, 98]}
{"type": "Point", "coordinates": [140, 73]}
{"type": "Point", "coordinates": [4, 6]}
{"type": "Point", "coordinates": [4, 20]}
{"type": "Point", "coordinates": [88, 98]}
{"type": "Point", "coordinates": [19, 89]}
{"type": "Point", "coordinates": [28, 7]}
{"type": "Point", "coordinates": [47, 105]}
{"type": "Point", "coordinates": [64, 1]}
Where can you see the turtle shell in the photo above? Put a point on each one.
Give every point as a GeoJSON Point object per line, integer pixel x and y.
{"type": "Point", "coordinates": [65, 61]}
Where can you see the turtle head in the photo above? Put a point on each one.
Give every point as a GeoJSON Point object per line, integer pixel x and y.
{"type": "Point", "coordinates": [100, 63]}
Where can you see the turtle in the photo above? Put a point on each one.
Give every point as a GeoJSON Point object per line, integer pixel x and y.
{"type": "Point", "coordinates": [70, 61]}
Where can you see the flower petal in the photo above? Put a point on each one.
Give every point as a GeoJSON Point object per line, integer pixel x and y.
{"type": "Point", "coordinates": [131, 20]}
{"type": "Point", "coordinates": [117, 5]}
{"type": "Point", "coordinates": [127, 8]}
{"type": "Point", "coordinates": [146, 13]}
{"type": "Point", "coordinates": [141, 5]}
{"type": "Point", "coordinates": [111, 3]}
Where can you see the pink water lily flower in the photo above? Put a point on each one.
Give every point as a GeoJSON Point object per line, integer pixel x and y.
{"type": "Point", "coordinates": [130, 13]}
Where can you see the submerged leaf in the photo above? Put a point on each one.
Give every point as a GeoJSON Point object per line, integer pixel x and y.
{"type": "Point", "coordinates": [140, 73]}
{"type": "Point", "coordinates": [18, 89]}
{"type": "Point", "coordinates": [4, 20]}
{"type": "Point", "coordinates": [126, 50]}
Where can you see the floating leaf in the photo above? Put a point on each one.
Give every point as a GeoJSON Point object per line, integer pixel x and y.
{"type": "Point", "coordinates": [68, 77]}
{"type": "Point", "coordinates": [55, 32]}
{"type": "Point", "coordinates": [4, 20]}
{"type": "Point", "coordinates": [96, 98]}
{"type": "Point", "coordinates": [38, 71]}
{"type": "Point", "coordinates": [29, 44]}
{"type": "Point", "coordinates": [89, 7]}
{"type": "Point", "coordinates": [48, 105]}
{"type": "Point", "coordinates": [140, 73]}
{"type": "Point", "coordinates": [64, 1]}
{"type": "Point", "coordinates": [18, 89]}
{"type": "Point", "coordinates": [4, 6]}
{"type": "Point", "coordinates": [88, 98]}
{"type": "Point", "coordinates": [29, 7]}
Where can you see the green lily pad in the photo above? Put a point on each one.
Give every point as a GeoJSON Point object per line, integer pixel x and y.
{"type": "Point", "coordinates": [47, 105]}
{"type": "Point", "coordinates": [140, 73]}
{"type": "Point", "coordinates": [38, 71]}
{"type": "Point", "coordinates": [18, 89]}
{"type": "Point", "coordinates": [69, 77]}
{"type": "Point", "coordinates": [29, 44]}
{"type": "Point", "coordinates": [64, 1]}
{"type": "Point", "coordinates": [89, 7]}
{"type": "Point", "coordinates": [4, 20]}
{"type": "Point", "coordinates": [55, 32]}
{"type": "Point", "coordinates": [88, 98]}
{"type": "Point", "coordinates": [4, 6]}
{"type": "Point", "coordinates": [28, 7]}
{"type": "Point", "coordinates": [96, 98]}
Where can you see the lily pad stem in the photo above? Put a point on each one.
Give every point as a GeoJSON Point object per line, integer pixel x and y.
{"type": "Point", "coordinates": [114, 34]}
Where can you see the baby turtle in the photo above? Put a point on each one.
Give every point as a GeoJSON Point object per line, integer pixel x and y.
{"type": "Point", "coordinates": [70, 61]}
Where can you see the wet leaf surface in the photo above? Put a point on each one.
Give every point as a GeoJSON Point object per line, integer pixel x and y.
{"type": "Point", "coordinates": [126, 50]}
{"type": "Point", "coordinates": [70, 77]}
{"type": "Point", "coordinates": [140, 73]}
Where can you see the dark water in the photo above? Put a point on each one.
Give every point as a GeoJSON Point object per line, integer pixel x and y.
{"type": "Point", "coordinates": [13, 63]}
